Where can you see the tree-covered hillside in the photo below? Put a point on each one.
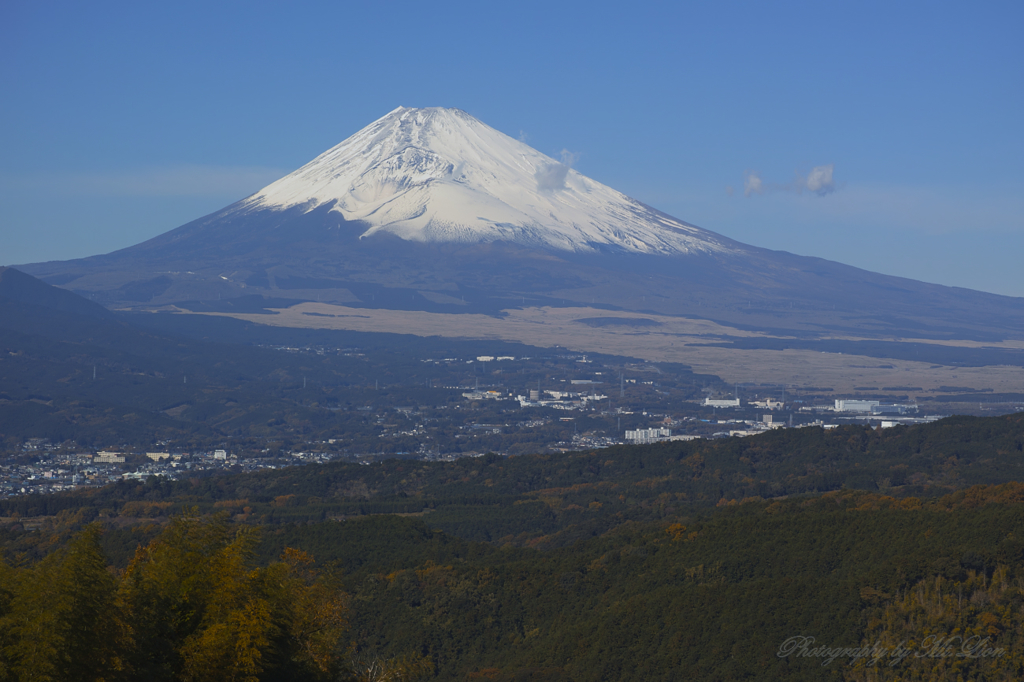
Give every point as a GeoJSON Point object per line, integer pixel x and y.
{"type": "Point", "coordinates": [697, 560]}
{"type": "Point", "coordinates": [715, 595]}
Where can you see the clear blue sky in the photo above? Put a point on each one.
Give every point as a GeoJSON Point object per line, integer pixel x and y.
{"type": "Point", "coordinates": [122, 120]}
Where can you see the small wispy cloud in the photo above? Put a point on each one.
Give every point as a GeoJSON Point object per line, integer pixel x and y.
{"type": "Point", "coordinates": [819, 181]}
{"type": "Point", "coordinates": [552, 177]}
{"type": "Point", "coordinates": [752, 184]}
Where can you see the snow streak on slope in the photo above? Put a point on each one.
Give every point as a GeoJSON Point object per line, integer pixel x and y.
{"type": "Point", "coordinates": [440, 175]}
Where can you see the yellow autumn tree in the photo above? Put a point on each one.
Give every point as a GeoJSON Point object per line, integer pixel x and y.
{"type": "Point", "coordinates": [203, 610]}
{"type": "Point", "coordinates": [61, 619]}
{"type": "Point", "coordinates": [192, 606]}
{"type": "Point", "coordinates": [971, 629]}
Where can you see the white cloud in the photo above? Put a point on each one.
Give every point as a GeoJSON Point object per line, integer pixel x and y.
{"type": "Point", "coordinates": [752, 184]}
{"type": "Point", "coordinates": [552, 177]}
{"type": "Point", "coordinates": [819, 181]}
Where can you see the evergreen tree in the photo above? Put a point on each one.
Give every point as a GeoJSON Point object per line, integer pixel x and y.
{"type": "Point", "coordinates": [64, 620]}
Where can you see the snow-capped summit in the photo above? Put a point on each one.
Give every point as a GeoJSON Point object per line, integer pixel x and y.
{"type": "Point", "coordinates": [440, 175]}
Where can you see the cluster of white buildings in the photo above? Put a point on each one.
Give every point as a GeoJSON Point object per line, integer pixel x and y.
{"type": "Point", "coordinates": [560, 400]}
{"type": "Point", "coordinates": [873, 407]}
{"type": "Point", "coordinates": [483, 395]}
{"type": "Point", "coordinates": [711, 402]}
{"type": "Point", "coordinates": [655, 435]}
{"type": "Point", "coordinates": [641, 436]}
{"type": "Point", "coordinates": [768, 404]}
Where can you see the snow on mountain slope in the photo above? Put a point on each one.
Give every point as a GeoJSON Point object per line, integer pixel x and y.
{"type": "Point", "coordinates": [440, 175]}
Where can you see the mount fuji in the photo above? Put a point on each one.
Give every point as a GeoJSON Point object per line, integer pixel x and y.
{"type": "Point", "coordinates": [432, 210]}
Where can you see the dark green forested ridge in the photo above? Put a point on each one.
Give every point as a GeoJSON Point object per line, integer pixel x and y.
{"type": "Point", "coordinates": [690, 560]}
{"type": "Point", "coordinates": [709, 595]}
{"type": "Point", "coordinates": [699, 598]}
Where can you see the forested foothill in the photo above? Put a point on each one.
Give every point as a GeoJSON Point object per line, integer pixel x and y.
{"type": "Point", "coordinates": [682, 560]}
{"type": "Point", "coordinates": [76, 374]}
